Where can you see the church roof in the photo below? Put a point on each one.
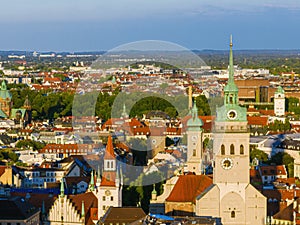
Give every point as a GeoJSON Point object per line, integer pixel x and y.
{"type": "Point", "coordinates": [109, 152]}
{"type": "Point", "coordinates": [126, 215]}
{"type": "Point", "coordinates": [108, 179]}
{"type": "Point", "coordinates": [4, 93]}
{"type": "Point", "coordinates": [188, 187]}
{"type": "Point", "coordinates": [89, 199]}
{"type": "Point", "coordinates": [280, 90]}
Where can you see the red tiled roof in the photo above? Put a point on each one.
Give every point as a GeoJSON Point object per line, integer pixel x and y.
{"type": "Point", "coordinates": [109, 152]}
{"type": "Point", "coordinates": [257, 120]}
{"type": "Point", "coordinates": [273, 170]}
{"type": "Point", "coordinates": [2, 170]}
{"type": "Point", "coordinates": [188, 187]}
{"type": "Point", "coordinates": [89, 199]}
{"type": "Point", "coordinates": [108, 179]}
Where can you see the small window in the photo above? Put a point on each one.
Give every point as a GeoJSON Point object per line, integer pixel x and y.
{"type": "Point", "coordinates": [107, 164]}
{"type": "Point", "coordinates": [103, 207]}
{"type": "Point", "coordinates": [242, 150]}
{"type": "Point", "coordinates": [222, 150]}
{"type": "Point", "coordinates": [231, 149]}
{"type": "Point", "coordinates": [194, 152]}
{"type": "Point", "coordinates": [232, 214]}
{"type": "Point", "coordinates": [103, 198]}
{"type": "Point", "coordinates": [111, 198]}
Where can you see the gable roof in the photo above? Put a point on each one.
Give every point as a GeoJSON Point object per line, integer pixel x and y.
{"type": "Point", "coordinates": [188, 187]}
{"type": "Point", "coordinates": [123, 215]}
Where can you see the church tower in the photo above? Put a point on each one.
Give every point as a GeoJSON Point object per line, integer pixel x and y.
{"type": "Point", "coordinates": [109, 187]}
{"type": "Point", "coordinates": [232, 197]}
{"type": "Point", "coordinates": [194, 142]}
{"type": "Point", "coordinates": [5, 101]}
{"type": "Point", "coordinates": [279, 102]}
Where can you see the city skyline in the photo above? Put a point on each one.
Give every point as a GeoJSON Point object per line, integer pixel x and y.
{"type": "Point", "coordinates": [94, 26]}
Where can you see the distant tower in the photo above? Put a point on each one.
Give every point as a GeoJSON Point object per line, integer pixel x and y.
{"type": "Point", "coordinates": [194, 142]}
{"type": "Point", "coordinates": [190, 97]}
{"type": "Point", "coordinates": [279, 102]}
{"type": "Point", "coordinates": [5, 101]}
{"type": "Point", "coordinates": [28, 115]}
{"type": "Point", "coordinates": [110, 187]}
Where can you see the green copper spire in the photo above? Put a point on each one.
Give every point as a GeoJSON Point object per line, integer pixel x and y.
{"type": "Point", "coordinates": [231, 87]}
{"type": "Point", "coordinates": [154, 191]}
{"type": "Point", "coordinates": [92, 183]}
{"type": "Point", "coordinates": [62, 188]}
{"type": "Point", "coordinates": [231, 69]}
{"type": "Point", "coordinates": [195, 123]}
{"type": "Point", "coordinates": [3, 86]}
{"type": "Point", "coordinates": [280, 90]}
{"type": "Point", "coordinates": [82, 209]}
{"type": "Point", "coordinates": [231, 111]}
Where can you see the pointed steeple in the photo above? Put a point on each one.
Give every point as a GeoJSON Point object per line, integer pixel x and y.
{"type": "Point", "coordinates": [62, 188]}
{"type": "Point", "coordinates": [154, 193]}
{"type": "Point", "coordinates": [231, 90]}
{"type": "Point", "coordinates": [92, 183]}
{"type": "Point", "coordinates": [82, 210]}
{"type": "Point", "coordinates": [231, 69]}
{"type": "Point", "coordinates": [109, 152]}
{"type": "Point", "coordinates": [195, 122]}
{"type": "Point", "coordinates": [3, 86]}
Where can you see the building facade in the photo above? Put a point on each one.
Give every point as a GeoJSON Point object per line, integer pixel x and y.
{"type": "Point", "coordinates": [231, 197]}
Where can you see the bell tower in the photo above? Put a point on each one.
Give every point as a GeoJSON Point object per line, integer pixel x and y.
{"type": "Point", "coordinates": [194, 142]}
{"type": "Point", "coordinates": [232, 198]}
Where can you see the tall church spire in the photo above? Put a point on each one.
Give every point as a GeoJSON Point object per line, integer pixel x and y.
{"type": "Point", "coordinates": [231, 90]}
{"type": "Point", "coordinates": [231, 69]}
{"type": "Point", "coordinates": [92, 183]}
{"type": "Point", "coordinates": [62, 188]}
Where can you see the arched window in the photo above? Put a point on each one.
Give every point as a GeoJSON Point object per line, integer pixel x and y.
{"type": "Point", "coordinates": [231, 149]}
{"type": "Point", "coordinates": [194, 152]}
{"type": "Point", "coordinates": [232, 214]}
{"type": "Point", "coordinates": [222, 150]}
{"type": "Point", "coordinates": [241, 149]}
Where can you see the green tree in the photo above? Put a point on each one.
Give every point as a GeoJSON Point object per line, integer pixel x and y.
{"type": "Point", "coordinates": [259, 154]}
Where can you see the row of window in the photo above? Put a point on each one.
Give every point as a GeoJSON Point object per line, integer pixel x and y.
{"type": "Point", "coordinates": [232, 150]}
{"type": "Point", "coordinates": [104, 198]}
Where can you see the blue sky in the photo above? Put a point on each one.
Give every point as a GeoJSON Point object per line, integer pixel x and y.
{"type": "Point", "coordinates": [84, 25]}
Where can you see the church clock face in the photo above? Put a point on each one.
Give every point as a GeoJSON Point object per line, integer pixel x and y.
{"type": "Point", "coordinates": [227, 163]}
{"type": "Point", "coordinates": [194, 138]}
{"type": "Point", "coordinates": [107, 192]}
{"type": "Point", "coordinates": [232, 114]}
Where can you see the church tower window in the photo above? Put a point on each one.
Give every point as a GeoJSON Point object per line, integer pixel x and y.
{"type": "Point", "coordinates": [242, 150]}
{"type": "Point", "coordinates": [232, 214]}
{"type": "Point", "coordinates": [231, 149]}
{"type": "Point", "coordinates": [222, 150]}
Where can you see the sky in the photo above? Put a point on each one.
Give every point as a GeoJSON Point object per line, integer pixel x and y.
{"type": "Point", "coordinates": [95, 25]}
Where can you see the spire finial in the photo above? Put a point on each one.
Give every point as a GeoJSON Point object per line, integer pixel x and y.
{"type": "Point", "coordinates": [82, 209]}
{"type": "Point", "coordinates": [92, 183]}
{"type": "Point", "coordinates": [231, 69]}
{"type": "Point", "coordinates": [62, 188]}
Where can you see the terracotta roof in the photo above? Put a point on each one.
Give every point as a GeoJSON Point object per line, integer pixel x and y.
{"type": "Point", "coordinates": [273, 170]}
{"type": "Point", "coordinates": [90, 201]}
{"type": "Point", "coordinates": [2, 170]}
{"type": "Point", "coordinates": [109, 152]}
{"type": "Point", "coordinates": [108, 179]}
{"type": "Point", "coordinates": [257, 120]}
{"type": "Point", "coordinates": [188, 187]}
{"type": "Point", "coordinates": [122, 215]}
